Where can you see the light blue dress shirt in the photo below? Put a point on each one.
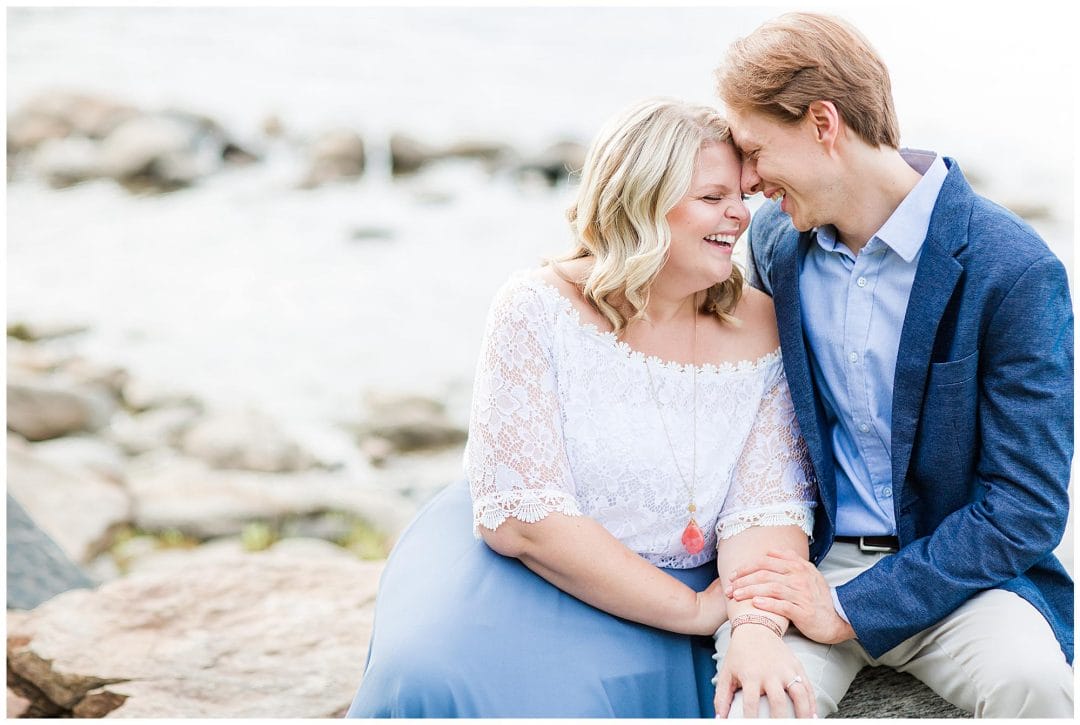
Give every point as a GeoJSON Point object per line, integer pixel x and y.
{"type": "Point", "coordinates": [853, 309]}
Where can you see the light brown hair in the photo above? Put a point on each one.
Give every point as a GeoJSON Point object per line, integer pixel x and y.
{"type": "Point", "coordinates": [639, 167]}
{"type": "Point", "coordinates": [798, 58]}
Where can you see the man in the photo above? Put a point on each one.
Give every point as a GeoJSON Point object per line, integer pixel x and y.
{"type": "Point", "coordinates": [927, 339]}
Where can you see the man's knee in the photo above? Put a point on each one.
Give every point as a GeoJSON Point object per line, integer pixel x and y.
{"type": "Point", "coordinates": [1033, 689]}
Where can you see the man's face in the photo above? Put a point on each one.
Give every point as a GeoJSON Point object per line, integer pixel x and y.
{"type": "Point", "coordinates": [785, 162]}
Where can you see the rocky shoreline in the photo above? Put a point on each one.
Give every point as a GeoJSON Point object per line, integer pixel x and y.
{"type": "Point", "coordinates": [224, 558]}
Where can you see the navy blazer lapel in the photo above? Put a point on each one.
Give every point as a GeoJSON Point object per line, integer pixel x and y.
{"type": "Point", "coordinates": [785, 286]}
{"type": "Point", "coordinates": [935, 279]}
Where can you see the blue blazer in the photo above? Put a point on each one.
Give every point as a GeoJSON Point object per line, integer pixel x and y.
{"type": "Point", "coordinates": [982, 436]}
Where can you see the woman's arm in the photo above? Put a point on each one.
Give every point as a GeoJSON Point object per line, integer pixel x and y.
{"type": "Point", "coordinates": [582, 558]}
{"type": "Point", "coordinates": [758, 661]}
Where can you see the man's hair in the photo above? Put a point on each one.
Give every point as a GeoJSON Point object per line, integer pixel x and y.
{"type": "Point", "coordinates": [638, 168]}
{"type": "Point", "coordinates": [798, 58]}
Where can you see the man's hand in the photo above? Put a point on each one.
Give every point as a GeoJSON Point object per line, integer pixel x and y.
{"type": "Point", "coordinates": [785, 584]}
{"type": "Point", "coordinates": [760, 663]}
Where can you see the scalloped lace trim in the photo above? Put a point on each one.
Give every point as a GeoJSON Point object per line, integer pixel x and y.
{"type": "Point", "coordinates": [801, 516]}
{"type": "Point", "coordinates": [568, 308]}
{"type": "Point", "coordinates": [527, 505]}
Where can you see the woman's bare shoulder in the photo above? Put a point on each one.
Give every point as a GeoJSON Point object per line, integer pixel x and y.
{"type": "Point", "coordinates": [758, 316]}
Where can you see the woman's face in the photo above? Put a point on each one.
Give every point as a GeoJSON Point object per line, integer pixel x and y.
{"type": "Point", "coordinates": [708, 219]}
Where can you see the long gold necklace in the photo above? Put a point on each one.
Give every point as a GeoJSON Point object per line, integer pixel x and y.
{"type": "Point", "coordinates": [692, 538]}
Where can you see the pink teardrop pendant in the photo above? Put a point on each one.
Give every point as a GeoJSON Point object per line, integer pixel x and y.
{"type": "Point", "coordinates": [692, 538]}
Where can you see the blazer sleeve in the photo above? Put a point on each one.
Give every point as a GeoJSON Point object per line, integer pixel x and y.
{"type": "Point", "coordinates": [757, 241]}
{"type": "Point", "coordinates": [1020, 504]}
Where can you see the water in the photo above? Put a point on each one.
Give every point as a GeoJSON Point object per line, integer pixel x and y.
{"type": "Point", "coordinates": [246, 290]}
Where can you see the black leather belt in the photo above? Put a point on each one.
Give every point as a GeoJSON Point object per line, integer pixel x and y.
{"type": "Point", "coordinates": [872, 544]}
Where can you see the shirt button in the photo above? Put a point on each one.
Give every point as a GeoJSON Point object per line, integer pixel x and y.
{"type": "Point", "coordinates": [864, 427]}
{"type": "Point", "coordinates": [853, 357]}
{"type": "Point", "coordinates": [886, 492]}
{"type": "Point", "coordinates": [861, 281]}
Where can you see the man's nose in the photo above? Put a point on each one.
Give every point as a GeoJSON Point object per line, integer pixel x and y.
{"type": "Point", "coordinates": [751, 182]}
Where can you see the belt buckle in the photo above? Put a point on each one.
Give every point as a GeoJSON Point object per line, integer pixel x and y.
{"type": "Point", "coordinates": [873, 549]}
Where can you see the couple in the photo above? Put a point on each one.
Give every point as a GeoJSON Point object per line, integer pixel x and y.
{"type": "Point", "coordinates": [889, 492]}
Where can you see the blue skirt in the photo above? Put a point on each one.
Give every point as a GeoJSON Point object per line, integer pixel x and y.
{"type": "Point", "coordinates": [461, 631]}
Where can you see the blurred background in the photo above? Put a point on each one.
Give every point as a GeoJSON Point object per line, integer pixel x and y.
{"type": "Point", "coordinates": [305, 212]}
{"type": "Point", "coordinates": [250, 251]}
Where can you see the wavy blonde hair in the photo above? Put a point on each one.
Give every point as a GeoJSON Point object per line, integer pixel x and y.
{"type": "Point", "coordinates": [637, 169]}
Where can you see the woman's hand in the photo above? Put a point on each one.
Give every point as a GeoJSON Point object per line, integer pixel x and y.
{"type": "Point", "coordinates": [711, 609]}
{"type": "Point", "coordinates": [760, 663]}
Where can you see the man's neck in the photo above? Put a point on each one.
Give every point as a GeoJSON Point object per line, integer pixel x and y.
{"type": "Point", "coordinates": [880, 180]}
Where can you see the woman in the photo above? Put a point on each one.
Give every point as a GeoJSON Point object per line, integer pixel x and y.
{"type": "Point", "coordinates": [630, 409]}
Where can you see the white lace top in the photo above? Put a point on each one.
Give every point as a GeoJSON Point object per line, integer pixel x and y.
{"type": "Point", "coordinates": [563, 421]}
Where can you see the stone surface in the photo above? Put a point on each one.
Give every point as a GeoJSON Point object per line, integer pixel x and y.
{"type": "Point", "coordinates": [37, 569]}
{"type": "Point", "coordinates": [244, 440]}
{"type": "Point", "coordinates": [409, 422]}
{"type": "Point", "coordinates": [77, 509]}
{"type": "Point", "coordinates": [83, 453]}
{"type": "Point", "coordinates": [272, 634]}
{"type": "Point", "coordinates": [172, 492]}
{"type": "Point", "coordinates": [335, 155]}
{"type": "Point", "coordinates": [881, 692]}
{"type": "Point", "coordinates": [150, 431]}
{"type": "Point", "coordinates": [49, 407]}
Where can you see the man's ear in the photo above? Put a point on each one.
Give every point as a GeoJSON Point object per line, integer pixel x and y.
{"type": "Point", "coordinates": [826, 122]}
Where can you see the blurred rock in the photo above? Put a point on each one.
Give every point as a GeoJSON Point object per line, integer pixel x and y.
{"type": "Point", "coordinates": [273, 127]}
{"type": "Point", "coordinates": [254, 635]}
{"type": "Point", "coordinates": [150, 431]}
{"type": "Point", "coordinates": [371, 233]}
{"type": "Point", "coordinates": [26, 359]}
{"type": "Point", "coordinates": [109, 379]}
{"type": "Point", "coordinates": [160, 151]}
{"type": "Point", "coordinates": [83, 453]}
{"type": "Point", "coordinates": [378, 450]}
{"type": "Point", "coordinates": [492, 153]}
{"type": "Point", "coordinates": [37, 568]}
{"type": "Point", "coordinates": [58, 114]}
{"type": "Point", "coordinates": [49, 407]}
{"type": "Point", "coordinates": [182, 494]}
{"type": "Point", "coordinates": [77, 509]}
{"type": "Point", "coordinates": [17, 705]}
{"type": "Point", "coordinates": [555, 163]}
{"type": "Point", "coordinates": [336, 155]}
{"type": "Point", "coordinates": [245, 440]}
{"type": "Point", "coordinates": [141, 395]}
{"type": "Point", "coordinates": [38, 330]}
{"type": "Point", "coordinates": [409, 422]}
{"type": "Point", "coordinates": [408, 155]}
{"type": "Point", "coordinates": [67, 161]}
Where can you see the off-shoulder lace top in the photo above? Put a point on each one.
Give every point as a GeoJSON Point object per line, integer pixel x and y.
{"type": "Point", "coordinates": [563, 421]}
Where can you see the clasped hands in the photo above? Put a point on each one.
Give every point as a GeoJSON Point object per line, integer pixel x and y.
{"type": "Point", "coordinates": [784, 583]}
{"type": "Point", "coordinates": [758, 662]}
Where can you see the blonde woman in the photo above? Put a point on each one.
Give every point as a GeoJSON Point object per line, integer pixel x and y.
{"type": "Point", "coordinates": [630, 411]}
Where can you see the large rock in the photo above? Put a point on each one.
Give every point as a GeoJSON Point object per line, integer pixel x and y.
{"type": "Point", "coordinates": [175, 493]}
{"type": "Point", "coordinates": [335, 155]}
{"type": "Point", "coordinates": [77, 509]}
{"type": "Point", "coordinates": [83, 453]}
{"type": "Point", "coordinates": [49, 407]}
{"type": "Point", "coordinates": [245, 440]}
{"type": "Point", "coordinates": [265, 635]}
{"type": "Point", "coordinates": [153, 430]}
{"type": "Point", "coordinates": [161, 150]}
{"type": "Point", "coordinates": [409, 422]}
{"type": "Point", "coordinates": [408, 154]}
{"type": "Point", "coordinates": [880, 692]}
{"type": "Point", "coordinates": [57, 114]}
{"type": "Point", "coordinates": [556, 163]}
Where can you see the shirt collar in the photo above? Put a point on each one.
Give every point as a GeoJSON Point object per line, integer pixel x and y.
{"type": "Point", "coordinates": [905, 230]}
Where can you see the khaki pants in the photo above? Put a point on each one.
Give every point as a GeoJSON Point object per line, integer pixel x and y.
{"type": "Point", "coordinates": [995, 656]}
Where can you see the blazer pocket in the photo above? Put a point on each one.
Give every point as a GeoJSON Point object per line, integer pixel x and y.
{"type": "Point", "coordinates": [954, 371]}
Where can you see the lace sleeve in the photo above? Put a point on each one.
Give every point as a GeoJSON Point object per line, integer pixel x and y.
{"type": "Point", "coordinates": [774, 482]}
{"type": "Point", "coordinates": [515, 458]}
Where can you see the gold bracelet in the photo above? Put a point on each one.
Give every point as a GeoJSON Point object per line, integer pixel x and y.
{"type": "Point", "coordinates": [757, 619]}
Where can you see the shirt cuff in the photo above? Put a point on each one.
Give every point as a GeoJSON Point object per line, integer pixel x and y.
{"type": "Point", "coordinates": [836, 605]}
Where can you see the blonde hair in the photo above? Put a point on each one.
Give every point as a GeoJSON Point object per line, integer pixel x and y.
{"type": "Point", "coordinates": [637, 169]}
{"type": "Point", "coordinates": [798, 58]}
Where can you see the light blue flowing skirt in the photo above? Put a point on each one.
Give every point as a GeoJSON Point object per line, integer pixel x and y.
{"type": "Point", "coordinates": [461, 631]}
